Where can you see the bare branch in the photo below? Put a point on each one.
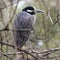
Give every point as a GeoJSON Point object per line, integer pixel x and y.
{"type": "Point", "coordinates": [5, 55]}
{"type": "Point", "coordinates": [30, 52]}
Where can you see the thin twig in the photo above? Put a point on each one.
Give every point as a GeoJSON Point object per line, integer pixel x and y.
{"type": "Point", "coordinates": [5, 55]}
{"type": "Point", "coordinates": [15, 30]}
{"type": "Point", "coordinates": [39, 52]}
{"type": "Point", "coordinates": [8, 5]}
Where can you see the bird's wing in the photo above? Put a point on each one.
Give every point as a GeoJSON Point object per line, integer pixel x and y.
{"type": "Point", "coordinates": [23, 21]}
{"type": "Point", "coordinates": [22, 36]}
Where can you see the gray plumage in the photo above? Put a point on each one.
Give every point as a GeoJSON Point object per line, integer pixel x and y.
{"type": "Point", "coordinates": [23, 20]}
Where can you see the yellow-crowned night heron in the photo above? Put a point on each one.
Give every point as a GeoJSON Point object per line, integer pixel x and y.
{"type": "Point", "coordinates": [24, 20]}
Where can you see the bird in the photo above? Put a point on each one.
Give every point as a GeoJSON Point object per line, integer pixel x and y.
{"type": "Point", "coordinates": [24, 22]}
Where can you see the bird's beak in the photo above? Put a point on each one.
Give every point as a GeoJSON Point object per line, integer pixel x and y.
{"type": "Point", "coordinates": [39, 11]}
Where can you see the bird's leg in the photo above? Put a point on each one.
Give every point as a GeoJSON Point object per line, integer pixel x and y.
{"type": "Point", "coordinates": [17, 53]}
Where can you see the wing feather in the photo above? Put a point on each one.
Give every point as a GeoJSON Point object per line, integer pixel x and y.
{"type": "Point", "coordinates": [22, 22]}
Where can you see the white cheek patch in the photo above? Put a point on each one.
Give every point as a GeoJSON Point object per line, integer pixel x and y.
{"type": "Point", "coordinates": [29, 10]}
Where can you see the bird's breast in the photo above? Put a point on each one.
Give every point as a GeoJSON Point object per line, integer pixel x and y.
{"type": "Point", "coordinates": [33, 19]}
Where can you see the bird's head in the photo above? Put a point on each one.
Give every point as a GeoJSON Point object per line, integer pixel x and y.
{"type": "Point", "coordinates": [31, 10]}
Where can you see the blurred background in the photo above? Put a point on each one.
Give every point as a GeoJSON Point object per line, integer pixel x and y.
{"type": "Point", "coordinates": [46, 34]}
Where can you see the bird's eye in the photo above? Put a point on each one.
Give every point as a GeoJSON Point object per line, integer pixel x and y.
{"type": "Point", "coordinates": [29, 10]}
